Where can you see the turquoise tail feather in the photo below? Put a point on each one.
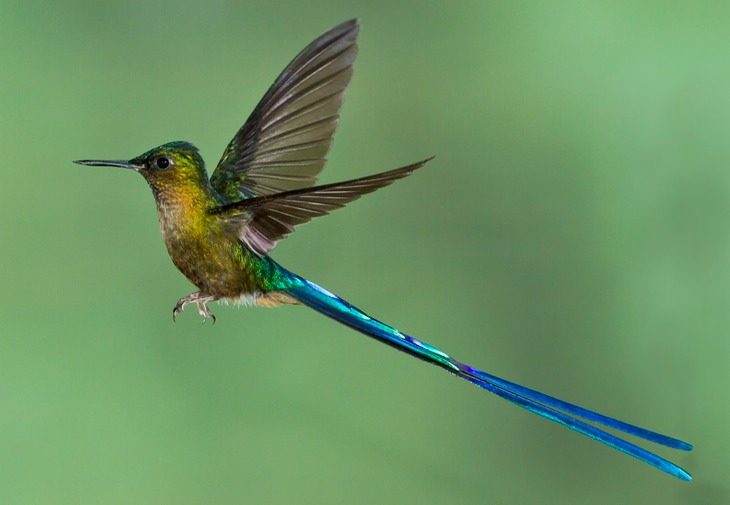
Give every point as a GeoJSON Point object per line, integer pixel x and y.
{"type": "Point", "coordinates": [538, 403]}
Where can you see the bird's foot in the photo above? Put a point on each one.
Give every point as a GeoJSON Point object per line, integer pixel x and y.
{"type": "Point", "coordinates": [200, 300]}
{"type": "Point", "coordinates": [204, 311]}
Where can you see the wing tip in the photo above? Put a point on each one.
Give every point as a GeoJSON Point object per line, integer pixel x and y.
{"type": "Point", "coordinates": [347, 29]}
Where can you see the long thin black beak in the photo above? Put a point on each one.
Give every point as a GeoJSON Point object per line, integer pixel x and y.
{"type": "Point", "coordinates": [109, 163]}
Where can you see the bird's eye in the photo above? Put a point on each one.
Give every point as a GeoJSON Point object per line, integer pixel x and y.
{"type": "Point", "coordinates": [162, 162]}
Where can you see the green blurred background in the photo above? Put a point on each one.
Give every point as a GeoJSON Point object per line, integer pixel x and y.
{"type": "Point", "coordinates": [572, 235]}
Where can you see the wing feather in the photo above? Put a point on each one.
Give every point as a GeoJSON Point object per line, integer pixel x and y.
{"type": "Point", "coordinates": [283, 144]}
{"type": "Point", "coordinates": [262, 221]}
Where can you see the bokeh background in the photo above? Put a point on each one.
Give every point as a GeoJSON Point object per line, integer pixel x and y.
{"type": "Point", "coordinates": [573, 235]}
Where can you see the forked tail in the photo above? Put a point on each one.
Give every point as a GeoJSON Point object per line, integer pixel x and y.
{"type": "Point", "coordinates": [541, 404]}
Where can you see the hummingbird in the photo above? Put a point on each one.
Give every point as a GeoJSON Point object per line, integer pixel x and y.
{"type": "Point", "coordinates": [220, 230]}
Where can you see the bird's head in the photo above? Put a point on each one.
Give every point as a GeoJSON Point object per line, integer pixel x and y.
{"type": "Point", "coordinates": [169, 168]}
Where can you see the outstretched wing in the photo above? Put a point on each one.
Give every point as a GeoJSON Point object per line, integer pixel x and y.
{"type": "Point", "coordinates": [283, 144]}
{"type": "Point", "coordinates": [262, 221]}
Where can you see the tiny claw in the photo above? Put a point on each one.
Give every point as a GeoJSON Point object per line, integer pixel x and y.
{"type": "Point", "coordinates": [179, 307]}
{"type": "Point", "coordinates": [204, 311]}
{"type": "Point", "coordinates": [200, 300]}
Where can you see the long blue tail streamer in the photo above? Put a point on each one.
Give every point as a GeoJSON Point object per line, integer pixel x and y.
{"type": "Point", "coordinates": [541, 404]}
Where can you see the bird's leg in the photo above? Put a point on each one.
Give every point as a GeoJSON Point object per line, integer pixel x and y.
{"type": "Point", "coordinates": [200, 300]}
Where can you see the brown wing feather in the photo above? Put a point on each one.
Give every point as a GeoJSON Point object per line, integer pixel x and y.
{"type": "Point", "coordinates": [283, 144]}
{"type": "Point", "coordinates": [261, 222]}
